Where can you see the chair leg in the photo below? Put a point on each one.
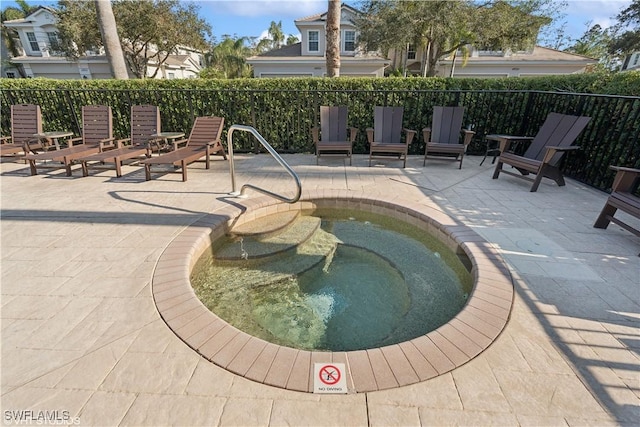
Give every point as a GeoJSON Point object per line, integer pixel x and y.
{"type": "Point", "coordinates": [118, 164]}
{"type": "Point", "coordinates": [147, 172]}
{"type": "Point", "coordinates": [461, 157]}
{"type": "Point", "coordinates": [536, 183]}
{"type": "Point", "coordinates": [32, 167]}
{"type": "Point", "coordinates": [497, 170]}
{"type": "Point", "coordinates": [184, 170]}
{"type": "Point", "coordinates": [603, 221]}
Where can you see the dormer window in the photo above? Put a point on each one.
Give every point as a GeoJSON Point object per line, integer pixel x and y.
{"type": "Point", "coordinates": [349, 41]}
{"type": "Point", "coordinates": [33, 42]}
{"type": "Point", "coordinates": [314, 41]}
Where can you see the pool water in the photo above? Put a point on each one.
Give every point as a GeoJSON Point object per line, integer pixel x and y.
{"type": "Point", "coordinates": [358, 281]}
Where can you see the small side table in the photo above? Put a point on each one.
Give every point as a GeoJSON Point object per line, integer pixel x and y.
{"type": "Point", "coordinates": [53, 137]}
{"type": "Point", "coordinates": [166, 136]}
{"type": "Point", "coordinates": [495, 141]}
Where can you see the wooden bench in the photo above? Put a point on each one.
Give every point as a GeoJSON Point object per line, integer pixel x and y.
{"type": "Point", "coordinates": [624, 196]}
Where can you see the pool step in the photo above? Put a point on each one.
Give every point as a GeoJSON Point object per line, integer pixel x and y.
{"type": "Point", "coordinates": [266, 226]}
{"type": "Point", "coordinates": [261, 245]}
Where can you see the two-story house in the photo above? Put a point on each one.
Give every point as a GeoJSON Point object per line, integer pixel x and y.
{"type": "Point", "coordinates": [37, 35]}
{"type": "Point", "coordinates": [307, 58]}
{"type": "Point", "coordinates": [539, 61]}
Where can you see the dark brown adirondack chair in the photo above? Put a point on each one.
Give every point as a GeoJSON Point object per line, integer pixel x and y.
{"type": "Point", "coordinates": [443, 137]}
{"type": "Point", "coordinates": [555, 137]}
{"type": "Point", "coordinates": [386, 136]}
{"type": "Point", "coordinates": [145, 122]}
{"type": "Point", "coordinates": [97, 135]}
{"type": "Point", "coordinates": [203, 141]}
{"type": "Point", "coordinates": [26, 121]}
{"type": "Point", "coordinates": [625, 195]}
{"type": "Point", "coordinates": [334, 137]}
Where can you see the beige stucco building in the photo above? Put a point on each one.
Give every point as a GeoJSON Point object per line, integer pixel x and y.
{"type": "Point", "coordinates": [307, 58]}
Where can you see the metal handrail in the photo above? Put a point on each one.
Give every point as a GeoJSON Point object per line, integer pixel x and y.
{"type": "Point", "coordinates": [271, 151]}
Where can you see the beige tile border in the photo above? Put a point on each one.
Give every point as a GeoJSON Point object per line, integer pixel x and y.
{"type": "Point", "coordinates": [468, 334]}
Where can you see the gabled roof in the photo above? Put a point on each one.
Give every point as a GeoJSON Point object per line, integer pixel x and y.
{"type": "Point", "coordinates": [323, 16]}
{"type": "Point", "coordinates": [26, 19]}
{"type": "Point", "coordinates": [539, 54]}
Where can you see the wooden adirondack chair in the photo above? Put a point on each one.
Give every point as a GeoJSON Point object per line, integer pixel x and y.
{"type": "Point", "coordinates": [443, 136]}
{"type": "Point", "coordinates": [203, 141]}
{"type": "Point", "coordinates": [334, 137]}
{"type": "Point", "coordinates": [26, 121]}
{"type": "Point", "coordinates": [97, 135]}
{"type": "Point", "coordinates": [555, 137]}
{"type": "Point", "coordinates": [145, 122]}
{"type": "Point", "coordinates": [386, 135]}
{"type": "Point", "coordinates": [625, 195]}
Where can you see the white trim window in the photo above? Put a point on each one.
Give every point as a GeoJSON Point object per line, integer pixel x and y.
{"type": "Point", "coordinates": [349, 44]}
{"type": "Point", "coordinates": [33, 42]}
{"type": "Point", "coordinates": [314, 41]}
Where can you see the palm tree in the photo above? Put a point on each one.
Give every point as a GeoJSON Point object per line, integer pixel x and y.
{"type": "Point", "coordinates": [109, 31]}
{"type": "Point", "coordinates": [227, 59]}
{"type": "Point", "coordinates": [332, 52]}
{"type": "Point", "coordinates": [275, 39]}
{"type": "Point", "coordinates": [9, 35]}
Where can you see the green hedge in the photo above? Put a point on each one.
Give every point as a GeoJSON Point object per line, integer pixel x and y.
{"type": "Point", "coordinates": [626, 84]}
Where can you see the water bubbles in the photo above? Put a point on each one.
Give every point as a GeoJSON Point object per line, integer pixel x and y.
{"type": "Point", "coordinates": [436, 254]}
{"type": "Point", "coordinates": [465, 296]}
{"type": "Point", "coordinates": [367, 223]}
{"type": "Point", "coordinates": [352, 218]}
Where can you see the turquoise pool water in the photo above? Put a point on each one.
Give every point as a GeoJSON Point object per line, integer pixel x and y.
{"type": "Point", "coordinates": [354, 281]}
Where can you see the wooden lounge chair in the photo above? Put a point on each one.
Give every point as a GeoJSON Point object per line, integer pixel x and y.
{"type": "Point", "coordinates": [555, 137]}
{"type": "Point", "coordinates": [333, 130]}
{"type": "Point", "coordinates": [26, 121]}
{"type": "Point", "coordinates": [97, 134]}
{"type": "Point", "coordinates": [386, 136]}
{"type": "Point", "coordinates": [203, 141]}
{"type": "Point", "coordinates": [145, 122]}
{"type": "Point", "coordinates": [625, 196]}
{"type": "Point", "coordinates": [443, 137]}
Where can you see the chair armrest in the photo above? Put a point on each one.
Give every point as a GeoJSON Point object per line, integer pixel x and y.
{"type": "Point", "coordinates": [353, 133]}
{"type": "Point", "coordinates": [123, 142]}
{"type": "Point", "coordinates": [4, 139]}
{"type": "Point", "coordinates": [551, 150]}
{"type": "Point", "coordinates": [370, 135]}
{"type": "Point", "coordinates": [410, 134]}
{"type": "Point", "coordinates": [107, 143]}
{"type": "Point", "coordinates": [506, 140]}
{"type": "Point", "coordinates": [426, 134]}
{"type": "Point", "coordinates": [468, 135]}
{"type": "Point", "coordinates": [315, 135]}
{"type": "Point", "coordinates": [626, 179]}
{"type": "Point", "coordinates": [71, 141]}
{"type": "Point", "coordinates": [176, 143]}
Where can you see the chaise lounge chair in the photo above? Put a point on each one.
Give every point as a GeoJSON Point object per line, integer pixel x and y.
{"type": "Point", "coordinates": [203, 141]}
{"type": "Point", "coordinates": [26, 121]}
{"type": "Point", "coordinates": [385, 137]}
{"type": "Point", "coordinates": [97, 134]}
{"type": "Point", "coordinates": [145, 122]}
{"type": "Point", "coordinates": [331, 138]}
{"type": "Point", "coordinates": [624, 196]}
{"type": "Point", "coordinates": [443, 137]}
{"type": "Point", "coordinates": [555, 137]}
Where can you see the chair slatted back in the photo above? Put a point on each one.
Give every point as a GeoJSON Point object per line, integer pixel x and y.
{"type": "Point", "coordinates": [333, 123]}
{"type": "Point", "coordinates": [387, 124]}
{"type": "Point", "coordinates": [145, 121]}
{"type": "Point", "coordinates": [26, 120]}
{"type": "Point", "coordinates": [446, 125]}
{"type": "Point", "coordinates": [558, 130]}
{"type": "Point", "coordinates": [97, 124]}
{"type": "Point", "coordinates": [205, 130]}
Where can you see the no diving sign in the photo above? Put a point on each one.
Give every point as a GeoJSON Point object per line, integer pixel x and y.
{"type": "Point", "coordinates": [329, 378]}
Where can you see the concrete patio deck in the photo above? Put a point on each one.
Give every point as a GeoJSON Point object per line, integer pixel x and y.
{"type": "Point", "coordinates": [83, 343]}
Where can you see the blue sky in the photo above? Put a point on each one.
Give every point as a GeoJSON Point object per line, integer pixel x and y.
{"type": "Point", "coordinates": [252, 17]}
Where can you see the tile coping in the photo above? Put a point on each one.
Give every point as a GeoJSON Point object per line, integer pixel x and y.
{"type": "Point", "coordinates": [469, 333]}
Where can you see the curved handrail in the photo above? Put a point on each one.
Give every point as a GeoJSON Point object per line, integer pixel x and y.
{"type": "Point", "coordinates": [271, 151]}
